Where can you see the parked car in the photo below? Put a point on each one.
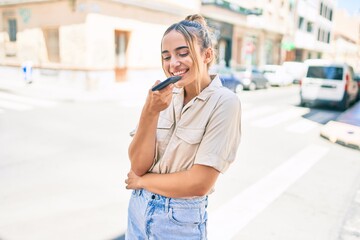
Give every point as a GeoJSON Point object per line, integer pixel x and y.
{"type": "Point", "coordinates": [357, 79]}
{"type": "Point", "coordinates": [277, 75]}
{"type": "Point", "coordinates": [228, 78]}
{"type": "Point", "coordinates": [251, 78]}
{"type": "Point", "coordinates": [328, 82]}
{"type": "Point", "coordinates": [295, 69]}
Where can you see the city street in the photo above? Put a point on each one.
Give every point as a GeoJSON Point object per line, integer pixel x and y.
{"type": "Point", "coordinates": [63, 166]}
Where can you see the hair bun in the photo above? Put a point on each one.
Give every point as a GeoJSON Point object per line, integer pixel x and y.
{"type": "Point", "coordinates": [197, 18]}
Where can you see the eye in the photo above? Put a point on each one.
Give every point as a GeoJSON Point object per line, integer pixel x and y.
{"type": "Point", "coordinates": [184, 54]}
{"type": "Point", "coordinates": [166, 58]}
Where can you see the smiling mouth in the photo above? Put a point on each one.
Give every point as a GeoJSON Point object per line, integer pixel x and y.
{"type": "Point", "coordinates": [180, 73]}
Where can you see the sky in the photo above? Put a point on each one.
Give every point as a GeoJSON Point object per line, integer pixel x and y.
{"type": "Point", "coordinates": [352, 6]}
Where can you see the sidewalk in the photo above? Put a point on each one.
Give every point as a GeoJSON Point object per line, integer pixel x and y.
{"type": "Point", "coordinates": [345, 130]}
{"type": "Point", "coordinates": [60, 88]}
{"type": "Point", "coordinates": [58, 93]}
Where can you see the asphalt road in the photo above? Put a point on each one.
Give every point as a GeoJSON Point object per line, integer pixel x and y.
{"type": "Point", "coordinates": [63, 165]}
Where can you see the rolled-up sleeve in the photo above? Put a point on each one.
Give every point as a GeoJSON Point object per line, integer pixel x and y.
{"type": "Point", "coordinates": [221, 139]}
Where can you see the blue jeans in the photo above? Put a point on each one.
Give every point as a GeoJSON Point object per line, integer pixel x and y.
{"type": "Point", "coordinates": [155, 217]}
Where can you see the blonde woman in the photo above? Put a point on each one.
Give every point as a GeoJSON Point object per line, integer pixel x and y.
{"type": "Point", "coordinates": [187, 134]}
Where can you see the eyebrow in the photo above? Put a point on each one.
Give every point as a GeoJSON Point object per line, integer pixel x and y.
{"type": "Point", "coordinates": [176, 49]}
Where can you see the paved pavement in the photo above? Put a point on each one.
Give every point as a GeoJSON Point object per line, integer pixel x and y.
{"type": "Point", "coordinates": [345, 130]}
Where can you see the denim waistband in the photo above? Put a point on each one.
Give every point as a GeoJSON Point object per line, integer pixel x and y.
{"type": "Point", "coordinates": [194, 202]}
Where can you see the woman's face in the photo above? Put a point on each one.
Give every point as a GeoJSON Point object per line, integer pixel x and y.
{"type": "Point", "coordinates": [177, 59]}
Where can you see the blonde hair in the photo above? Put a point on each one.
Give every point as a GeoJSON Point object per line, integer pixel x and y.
{"type": "Point", "coordinates": [195, 30]}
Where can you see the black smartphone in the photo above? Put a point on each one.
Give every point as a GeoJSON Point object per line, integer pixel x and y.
{"type": "Point", "coordinates": [166, 82]}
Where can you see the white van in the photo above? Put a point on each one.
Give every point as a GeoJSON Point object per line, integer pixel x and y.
{"type": "Point", "coordinates": [296, 69]}
{"type": "Point", "coordinates": [327, 82]}
{"type": "Point", "coordinates": [277, 75]}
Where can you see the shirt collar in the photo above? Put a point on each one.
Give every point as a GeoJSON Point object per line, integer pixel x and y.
{"type": "Point", "coordinates": [214, 84]}
{"type": "Point", "coordinates": [206, 92]}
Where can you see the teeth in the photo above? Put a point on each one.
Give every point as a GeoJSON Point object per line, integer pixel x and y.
{"type": "Point", "coordinates": [179, 73]}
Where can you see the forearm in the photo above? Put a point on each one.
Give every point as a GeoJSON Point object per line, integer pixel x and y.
{"type": "Point", "coordinates": [142, 148]}
{"type": "Point", "coordinates": [197, 181]}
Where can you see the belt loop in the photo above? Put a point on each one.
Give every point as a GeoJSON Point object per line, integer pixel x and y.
{"type": "Point", "coordinates": [138, 192]}
{"type": "Point", "coordinates": [167, 203]}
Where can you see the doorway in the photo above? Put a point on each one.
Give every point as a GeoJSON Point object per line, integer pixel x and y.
{"type": "Point", "coordinates": [121, 62]}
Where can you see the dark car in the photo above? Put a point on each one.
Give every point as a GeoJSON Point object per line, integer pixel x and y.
{"type": "Point", "coordinates": [228, 79]}
{"type": "Point", "coordinates": [251, 78]}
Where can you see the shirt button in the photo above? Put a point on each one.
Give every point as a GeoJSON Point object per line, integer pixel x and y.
{"type": "Point", "coordinates": [153, 197]}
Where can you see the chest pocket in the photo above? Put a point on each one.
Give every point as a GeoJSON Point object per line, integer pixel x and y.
{"type": "Point", "coordinates": [190, 135]}
{"type": "Point", "coordinates": [163, 129]}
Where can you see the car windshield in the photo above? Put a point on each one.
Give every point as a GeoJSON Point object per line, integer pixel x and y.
{"type": "Point", "coordinates": [331, 73]}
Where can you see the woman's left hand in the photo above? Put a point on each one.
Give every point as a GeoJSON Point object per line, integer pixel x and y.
{"type": "Point", "coordinates": [133, 181]}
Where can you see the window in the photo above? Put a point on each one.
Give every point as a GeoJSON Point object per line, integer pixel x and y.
{"type": "Point", "coordinates": [12, 29]}
{"type": "Point", "coordinates": [309, 27]}
{"type": "Point", "coordinates": [331, 73]}
{"type": "Point", "coordinates": [52, 44]}
{"type": "Point", "coordinates": [321, 8]}
{"type": "Point", "coordinates": [328, 37]}
{"type": "Point", "coordinates": [330, 14]}
{"type": "Point", "coordinates": [301, 22]}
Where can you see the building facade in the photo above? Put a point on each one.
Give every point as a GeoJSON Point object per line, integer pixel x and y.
{"type": "Point", "coordinates": [88, 40]}
{"type": "Point", "coordinates": [345, 46]}
{"type": "Point", "coordinates": [100, 41]}
{"type": "Point", "coordinates": [313, 29]}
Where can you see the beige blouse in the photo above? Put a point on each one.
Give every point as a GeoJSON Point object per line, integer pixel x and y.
{"type": "Point", "coordinates": [205, 131]}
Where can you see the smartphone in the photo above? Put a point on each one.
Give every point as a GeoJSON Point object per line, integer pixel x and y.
{"type": "Point", "coordinates": [166, 82]}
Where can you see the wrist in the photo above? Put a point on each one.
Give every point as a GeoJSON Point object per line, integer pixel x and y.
{"type": "Point", "coordinates": [149, 112]}
{"type": "Point", "coordinates": [142, 182]}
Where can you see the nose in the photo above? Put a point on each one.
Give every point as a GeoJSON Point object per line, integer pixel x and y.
{"type": "Point", "coordinates": [175, 62]}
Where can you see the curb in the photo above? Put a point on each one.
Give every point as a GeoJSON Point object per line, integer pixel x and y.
{"type": "Point", "coordinates": [342, 133]}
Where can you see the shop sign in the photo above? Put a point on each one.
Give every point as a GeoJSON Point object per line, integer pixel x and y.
{"type": "Point", "coordinates": [233, 7]}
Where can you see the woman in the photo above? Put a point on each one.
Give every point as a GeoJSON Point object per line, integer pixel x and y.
{"type": "Point", "coordinates": [186, 136]}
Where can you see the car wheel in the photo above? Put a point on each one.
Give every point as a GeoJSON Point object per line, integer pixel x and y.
{"type": "Point", "coordinates": [252, 86]}
{"type": "Point", "coordinates": [239, 88]}
{"type": "Point", "coordinates": [345, 103]}
{"type": "Point", "coordinates": [302, 103]}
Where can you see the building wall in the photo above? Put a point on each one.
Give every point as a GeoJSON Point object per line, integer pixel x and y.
{"type": "Point", "coordinates": [346, 39]}
{"type": "Point", "coordinates": [314, 26]}
{"type": "Point", "coordinates": [86, 36]}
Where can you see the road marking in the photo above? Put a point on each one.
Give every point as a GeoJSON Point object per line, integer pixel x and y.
{"type": "Point", "coordinates": [278, 118]}
{"type": "Point", "coordinates": [27, 100]}
{"type": "Point", "coordinates": [257, 112]}
{"type": "Point", "coordinates": [229, 219]}
{"type": "Point", "coordinates": [14, 106]}
{"type": "Point", "coordinates": [302, 126]}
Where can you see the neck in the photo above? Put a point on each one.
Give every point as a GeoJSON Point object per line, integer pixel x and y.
{"type": "Point", "coordinates": [190, 91]}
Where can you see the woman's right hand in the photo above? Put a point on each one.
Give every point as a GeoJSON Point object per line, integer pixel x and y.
{"type": "Point", "coordinates": [158, 101]}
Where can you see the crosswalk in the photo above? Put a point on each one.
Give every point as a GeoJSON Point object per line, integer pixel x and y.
{"type": "Point", "coordinates": [256, 198]}
{"type": "Point", "coordinates": [290, 118]}
{"type": "Point", "coordinates": [11, 102]}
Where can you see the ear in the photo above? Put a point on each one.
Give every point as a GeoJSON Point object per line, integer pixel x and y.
{"type": "Point", "coordinates": [209, 55]}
